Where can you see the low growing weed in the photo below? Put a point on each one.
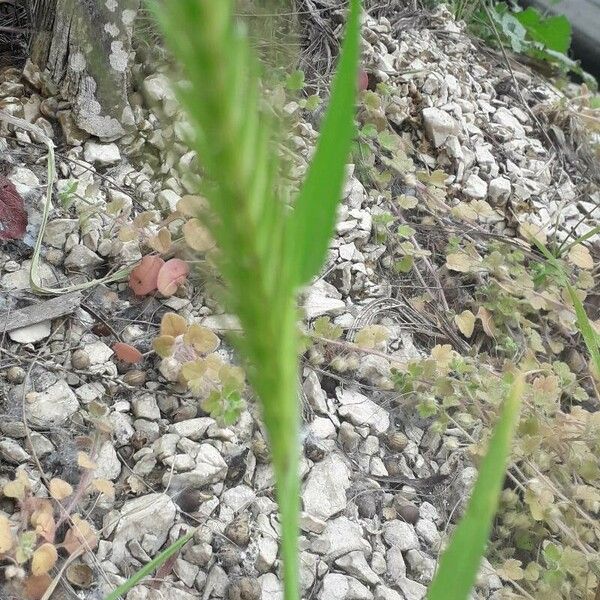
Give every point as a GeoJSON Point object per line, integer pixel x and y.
{"type": "Point", "coordinates": [267, 252]}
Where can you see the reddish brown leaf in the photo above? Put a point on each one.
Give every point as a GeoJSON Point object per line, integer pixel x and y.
{"type": "Point", "coordinates": [171, 275]}
{"type": "Point", "coordinates": [13, 217]}
{"type": "Point", "coordinates": [143, 279]}
{"type": "Point", "coordinates": [36, 586]}
{"type": "Point", "coordinates": [126, 353]}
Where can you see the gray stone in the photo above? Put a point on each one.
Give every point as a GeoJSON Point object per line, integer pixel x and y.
{"type": "Point", "coordinates": [157, 88]}
{"type": "Point", "coordinates": [499, 189]}
{"type": "Point", "coordinates": [323, 299]}
{"type": "Point", "coordinates": [81, 257]}
{"type": "Point", "coordinates": [101, 155]}
{"type": "Point", "coordinates": [52, 407]}
{"type": "Point", "coordinates": [506, 119]}
{"type": "Point", "coordinates": [98, 352]}
{"type": "Point", "coordinates": [439, 125]}
{"type": "Point", "coordinates": [194, 429]}
{"type": "Point", "coordinates": [421, 566]}
{"type": "Point", "coordinates": [340, 537]}
{"type": "Point", "coordinates": [31, 333]}
{"type": "Point", "coordinates": [210, 468]}
{"type": "Point", "coordinates": [324, 494]}
{"type": "Point", "coordinates": [360, 410]}
{"type": "Point", "coordinates": [145, 407]}
{"type": "Point", "coordinates": [12, 452]}
{"type": "Point", "coordinates": [355, 564]}
{"type": "Point", "coordinates": [146, 519]}
{"type": "Point", "coordinates": [395, 565]}
{"type": "Point", "coordinates": [383, 592]}
{"type": "Point", "coordinates": [108, 463]}
{"type": "Point", "coordinates": [57, 231]}
{"type": "Point", "coordinates": [267, 554]}
{"type": "Point", "coordinates": [412, 590]}
{"type": "Point", "coordinates": [342, 587]}
{"type": "Point", "coordinates": [400, 534]}
{"type": "Point", "coordinates": [475, 188]}
{"type": "Point", "coordinates": [272, 587]}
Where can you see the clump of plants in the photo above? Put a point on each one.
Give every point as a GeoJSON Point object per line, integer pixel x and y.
{"type": "Point", "coordinates": [268, 250]}
{"type": "Point", "coordinates": [30, 539]}
{"type": "Point", "coordinates": [189, 356]}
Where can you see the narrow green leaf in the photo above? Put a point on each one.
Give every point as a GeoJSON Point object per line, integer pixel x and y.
{"type": "Point", "coordinates": [312, 222]}
{"type": "Point", "coordinates": [148, 568]}
{"type": "Point", "coordinates": [460, 562]}
{"type": "Point", "coordinates": [586, 236]}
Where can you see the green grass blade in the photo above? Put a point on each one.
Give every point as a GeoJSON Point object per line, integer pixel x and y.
{"type": "Point", "coordinates": [590, 337]}
{"type": "Point", "coordinates": [562, 250]}
{"type": "Point", "coordinates": [313, 220]}
{"type": "Point", "coordinates": [148, 568]}
{"type": "Point", "coordinates": [460, 562]}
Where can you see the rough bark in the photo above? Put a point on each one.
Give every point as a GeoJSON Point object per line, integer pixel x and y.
{"type": "Point", "coordinates": [83, 48]}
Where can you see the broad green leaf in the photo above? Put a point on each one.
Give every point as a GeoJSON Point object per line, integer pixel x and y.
{"type": "Point", "coordinates": [312, 222]}
{"type": "Point", "coordinates": [460, 562]}
{"type": "Point", "coordinates": [553, 32]}
{"type": "Point", "coordinates": [295, 80]}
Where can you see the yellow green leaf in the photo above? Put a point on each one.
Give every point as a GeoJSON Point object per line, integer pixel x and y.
{"type": "Point", "coordinates": [44, 558]}
{"type": "Point", "coordinates": [465, 323]}
{"type": "Point", "coordinates": [6, 536]}
{"type": "Point", "coordinates": [203, 340]}
{"type": "Point", "coordinates": [163, 345]}
{"type": "Point", "coordinates": [581, 257]}
{"type": "Point", "coordinates": [197, 237]}
{"type": "Point", "coordinates": [173, 324]}
{"type": "Point", "coordinates": [60, 489]}
{"type": "Point", "coordinates": [85, 462]}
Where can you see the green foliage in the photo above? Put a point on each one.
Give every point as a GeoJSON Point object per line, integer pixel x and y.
{"type": "Point", "coordinates": [150, 566]}
{"type": "Point", "coordinates": [314, 216]}
{"type": "Point", "coordinates": [460, 561]}
{"type": "Point", "coordinates": [265, 251]}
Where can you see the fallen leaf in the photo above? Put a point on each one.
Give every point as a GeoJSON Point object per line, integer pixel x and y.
{"type": "Point", "coordinates": [42, 520]}
{"type": "Point", "coordinates": [85, 462]}
{"type": "Point", "coordinates": [580, 257]}
{"type": "Point", "coordinates": [13, 216]}
{"type": "Point", "coordinates": [465, 323]}
{"type": "Point", "coordinates": [173, 325]}
{"type": "Point", "coordinates": [192, 206]}
{"type": "Point", "coordinates": [127, 353]}
{"type": "Point", "coordinates": [407, 202]}
{"type": "Point", "coordinates": [106, 487]}
{"type": "Point", "coordinates": [6, 537]}
{"type": "Point", "coordinates": [14, 489]}
{"type": "Point", "coordinates": [44, 558]}
{"type": "Point", "coordinates": [460, 261]}
{"type": "Point", "coordinates": [171, 275]}
{"type": "Point", "coordinates": [80, 535]}
{"type": "Point", "coordinates": [487, 321]}
{"type": "Point", "coordinates": [202, 339]}
{"type": "Point", "coordinates": [533, 232]}
{"type": "Point", "coordinates": [161, 242]}
{"type": "Point", "coordinates": [197, 237]}
{"type": "Point", "coordinates": [60, 489]}
{"type": "Point", "coordinates": [143, 278]}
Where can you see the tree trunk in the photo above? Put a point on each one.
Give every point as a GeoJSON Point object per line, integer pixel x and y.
{"type": "Point", "coordinates": [83, 48]}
